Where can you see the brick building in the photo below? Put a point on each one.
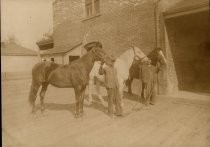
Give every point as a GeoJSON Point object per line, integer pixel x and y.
{"type": "Point", "coordinates": [144, 23]}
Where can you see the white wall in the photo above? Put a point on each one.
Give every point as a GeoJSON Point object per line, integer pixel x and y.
{"type": "Point", "coordinates": [57, 58]}
{"type": "Point", "coordinates": [64, 58]}
{"type": "Point", "coordinates": [75, 52]}
{"type": "Point", "coordinates": [18, 63]}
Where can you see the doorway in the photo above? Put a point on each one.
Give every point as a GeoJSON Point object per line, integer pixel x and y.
{"type": "Point", "coordinates": [72, 58]}
{"type": "Point", "coordinates": [189, 41]}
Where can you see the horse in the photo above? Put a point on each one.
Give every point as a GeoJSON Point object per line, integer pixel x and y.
{"type": "Point", "coordinates": [74, 75]}
{"type": "Point", "coordinates": [145, 70]}
{"type": "Point", "coordinates": [122, 64]}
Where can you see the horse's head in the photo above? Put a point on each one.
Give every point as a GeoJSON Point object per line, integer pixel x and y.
{"type": "Point", "coordinates": [98, 52]}
{"type": "Point", "coordinates": [157, 56]}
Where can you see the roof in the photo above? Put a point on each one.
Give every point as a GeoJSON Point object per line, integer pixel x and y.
{"type": "Point", "coordinates": [186, 5]}
{"type": "Point", "coordinates": [61, 49]}
{"type": "Point", "coordinates": [13, 49]}
{"type": "Point", "coordinates": [45, 41]}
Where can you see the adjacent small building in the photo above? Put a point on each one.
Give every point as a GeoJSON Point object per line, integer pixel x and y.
{"type": "Point", "coordinates": [63, 54]}
{"type": "Point", "coordinates": [17, 61]}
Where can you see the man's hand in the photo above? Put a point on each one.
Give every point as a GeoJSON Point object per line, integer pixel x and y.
{"type": "Point", "coordinates": [102, 63]}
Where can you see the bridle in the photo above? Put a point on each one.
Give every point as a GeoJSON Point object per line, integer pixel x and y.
{"type": "Point", "coordinates": [136, 57]}
{"type": "Point", "coordinates": [99, 56]}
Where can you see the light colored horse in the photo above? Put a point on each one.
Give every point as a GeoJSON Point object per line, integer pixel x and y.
{"type": "Point", "coordinates": [122, 64]}
{"type": "Point", "coordinates": [95, 74]}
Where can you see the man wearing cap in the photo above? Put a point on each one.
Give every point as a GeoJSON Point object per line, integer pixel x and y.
{"type": "Point", "coordinates": [112, 86]}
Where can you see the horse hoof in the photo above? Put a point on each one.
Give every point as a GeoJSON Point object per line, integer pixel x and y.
{"type": "Point", "coordinates": [42, 110]}
{"type": "Point", "coordinates": [33, 111]}
{"type": "Point", "coordinates": [76, 115]}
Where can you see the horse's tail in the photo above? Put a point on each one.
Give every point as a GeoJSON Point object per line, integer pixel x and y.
{"type": "Point", "coordinates": [33, 92]}
{"type": "Point", "coordinates": [40, 73]}
{"type": "Point", "coordinates": [35, 84]}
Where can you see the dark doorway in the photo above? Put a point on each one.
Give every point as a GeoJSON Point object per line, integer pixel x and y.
{"type": "Point", "coordinates": [52, 59]}
{"type": "Point", "coordinates": [72, 58]}
{"type": "Point", "coordinates": [189, 39]}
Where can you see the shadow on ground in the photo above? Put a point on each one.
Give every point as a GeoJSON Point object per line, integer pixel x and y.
{"type": "Point", "coordinates": [133, 97]}
{"type": "Point", "coordinates": [96, 104]}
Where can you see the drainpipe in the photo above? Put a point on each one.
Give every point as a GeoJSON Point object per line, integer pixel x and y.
{"type": "Point", "coordinates": [156, 20]}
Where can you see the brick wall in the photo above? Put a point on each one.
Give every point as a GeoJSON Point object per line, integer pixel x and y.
{"type": "Point", "coordinates": [117, 29]}
{"type": "Point", "coordinates": [67, 24]}
{"type": "Point", "coordinates": [113, 27]}
{"type": "Point", "coordinates": [117, 26]}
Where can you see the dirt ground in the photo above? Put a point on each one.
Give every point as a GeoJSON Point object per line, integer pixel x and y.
{"type": "Point", "coordinates": [172, 122]}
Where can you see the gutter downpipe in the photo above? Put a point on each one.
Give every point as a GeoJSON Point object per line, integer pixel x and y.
{"type": "Point", "coordinates": [156, 35]}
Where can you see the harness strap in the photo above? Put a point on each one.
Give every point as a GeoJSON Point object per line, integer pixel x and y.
{"type": "Point", "coordinates": [102, 57]}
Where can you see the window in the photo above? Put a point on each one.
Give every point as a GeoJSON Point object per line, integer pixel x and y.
{"type": "Point", "coordinates": [92, 7]}
{"type": "Point", "coordinates": [72, 58]}
{"type": "Point", "coordinates": [52, 59]}
{"type": "Point", "coordinates": [43, 59]}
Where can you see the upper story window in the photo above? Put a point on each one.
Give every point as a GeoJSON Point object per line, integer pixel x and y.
{"type": "Point", "coordinates": [92, 7]}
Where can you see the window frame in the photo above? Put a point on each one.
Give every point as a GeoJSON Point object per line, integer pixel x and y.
{"type": "Point", "coordinates": [93, 10]}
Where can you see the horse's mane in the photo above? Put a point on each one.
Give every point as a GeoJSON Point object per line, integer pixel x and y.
{"type": "Point", "coordinates": [124, 55]}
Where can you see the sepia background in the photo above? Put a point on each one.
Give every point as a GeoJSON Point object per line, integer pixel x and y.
{"type": "Point", "coordinates": [56, 30]}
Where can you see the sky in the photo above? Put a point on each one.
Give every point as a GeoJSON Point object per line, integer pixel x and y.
{"type": "Point", "coordinates": [26, 20]}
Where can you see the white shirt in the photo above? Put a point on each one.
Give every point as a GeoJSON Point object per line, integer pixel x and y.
{"type": "Point", "coordinates": [95, 71]}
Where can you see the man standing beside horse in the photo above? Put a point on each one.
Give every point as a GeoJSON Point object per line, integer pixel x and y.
{"type": "Point", "coordinates": [112, 87]}
{"type": "Point", "coordinates": [147, 71]}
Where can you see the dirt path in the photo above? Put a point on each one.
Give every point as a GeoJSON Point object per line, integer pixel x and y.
{"type": "Point", "coordinates": [171, 122]}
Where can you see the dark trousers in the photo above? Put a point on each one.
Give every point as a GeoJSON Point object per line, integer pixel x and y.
{"type": "Point", "coordinates": [114, 99]}
{"type": "Point", "coordinates": [149, 92]}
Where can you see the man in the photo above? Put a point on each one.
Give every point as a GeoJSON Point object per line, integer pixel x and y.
{"type": "Point", "coordinates": [112, 87]}
{"type": "Point", "coordinates": [95, 78]}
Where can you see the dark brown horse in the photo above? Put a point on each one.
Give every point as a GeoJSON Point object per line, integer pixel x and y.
{"type": "Point", "coordinates": [156, 56]}
{"type": "Point", "coordinates": [74, 75]}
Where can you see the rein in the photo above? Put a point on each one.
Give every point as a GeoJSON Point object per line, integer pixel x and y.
{"type": "Point", "coordinates": [101, 57]}
{"type": "Point", "coordinates": [135, 56]}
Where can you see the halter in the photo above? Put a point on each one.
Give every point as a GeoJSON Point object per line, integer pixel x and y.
{"type": "Point", "coordinates": [101, 57]}
{"type": "Point", "coordinates": [136, 56]}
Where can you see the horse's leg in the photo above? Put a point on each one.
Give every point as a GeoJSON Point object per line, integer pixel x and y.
{"type": "Point", "coordinates": [33, 94]}
{"type": "Point", "coordinates": [121, 86]}
{"type": "Point", "coordinates": [144, 94]}
{"type": "Point", "coordinates": [42, 94]}
{"type": "Point", "coordinates": [82, 99]}
{"type": "Point", "coordinates": [90, 89]}
{"type": "Point", "coordinates": [129, 83]}
{"type": "Point", "coordinates": [77, 91]}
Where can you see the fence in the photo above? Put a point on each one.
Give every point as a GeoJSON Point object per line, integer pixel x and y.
{"type": "Point", "coordinates": [15, 75]}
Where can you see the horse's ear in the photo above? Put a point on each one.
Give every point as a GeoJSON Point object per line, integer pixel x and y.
{"type": "Point", "coordinates": [99, 45]}
{"type": "Point", "coordinates": [158, 49]}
